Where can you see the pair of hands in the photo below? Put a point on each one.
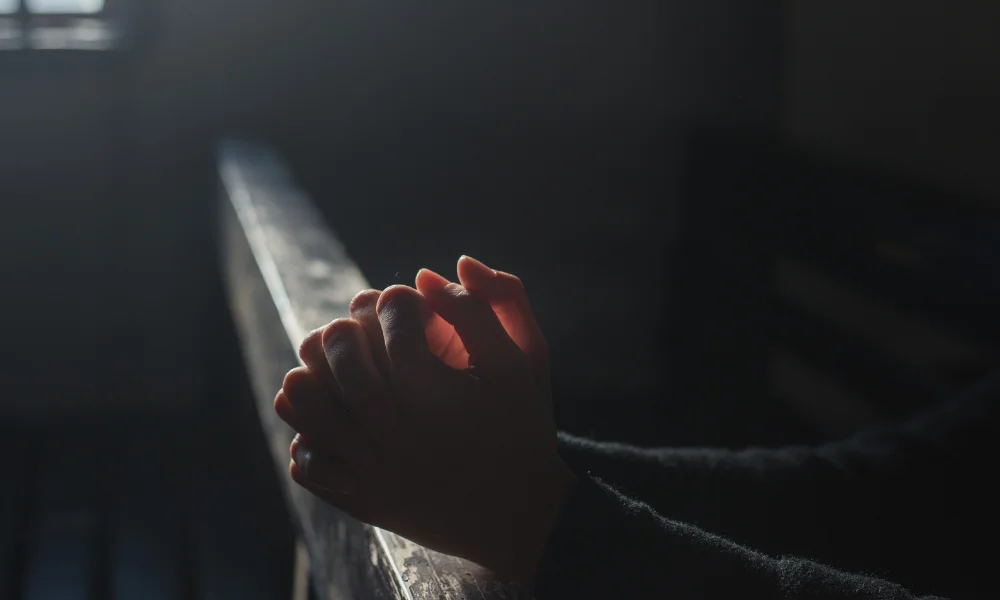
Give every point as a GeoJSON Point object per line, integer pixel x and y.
{"type": "Point", "coordinates": [429, 413]}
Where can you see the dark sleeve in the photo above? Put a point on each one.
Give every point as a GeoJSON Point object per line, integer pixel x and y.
{"type": "Point", "coordinates": [608, 546]}
{"type": "Point", "coordinates": [910, 501]}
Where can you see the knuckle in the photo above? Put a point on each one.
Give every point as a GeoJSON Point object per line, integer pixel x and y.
{"type": "Point", "coordinates": [365, 302]}
{"type": "Point", "coordinates": [401, 307]}
{"type": "Point", "coordinates": [297, 381]}
{"type": "Point", "coordinates": [312, 343]}
{"type": "Point", "coordinates": [339, 333]}
{"type": "Point", "coordinates": [394, 295]}
{"type": "Point", "coordinates": [281, 404]}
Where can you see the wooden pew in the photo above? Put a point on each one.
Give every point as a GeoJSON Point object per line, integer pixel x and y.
{"type": "Point", "coordinates": [286, 273]}
{"type": "Point", "coordinates": [143, 507]}
{"type": "Point", "coordinates": [848, 294]}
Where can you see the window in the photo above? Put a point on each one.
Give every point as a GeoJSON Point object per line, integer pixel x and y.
{"type": "Point", "coordinates": [64, 7]}
{"type": "Point", "coordinates": [52, 7]}
{"type": "Point", "coordinates": [58, 25]}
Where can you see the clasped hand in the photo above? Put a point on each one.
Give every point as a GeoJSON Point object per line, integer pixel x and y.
{"type": "Point", "coordinates": [428, 413]}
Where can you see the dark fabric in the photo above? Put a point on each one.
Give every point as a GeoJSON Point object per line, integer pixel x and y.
{"type": "Point", "coordinates": [913, 504]}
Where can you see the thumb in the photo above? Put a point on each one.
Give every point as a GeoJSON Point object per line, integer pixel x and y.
{"type": "Point", "coordinates": [506, 295]}
{"type": "Point", "coordinates": [471, 315]}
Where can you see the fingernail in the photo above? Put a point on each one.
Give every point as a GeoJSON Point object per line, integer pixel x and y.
{"type": "Point", "coordinates": [479, 264]}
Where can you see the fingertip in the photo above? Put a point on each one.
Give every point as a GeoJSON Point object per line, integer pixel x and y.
{"type": "Point", "coordinates": [296, 473]}
{"type": "Point", "coordinates": [282, 407]}
{"type": "Point", "coordinates": [364, 302]}
{"type": "Point", "coordinates": [467, 263]}
{"type": "Point", "coordinates": [477, 277]}
{"type": "Point", "coordinates": [299, 380]}
{"type": "Point", "coordinates": [311, 347]}
{"type": "Point", "coordinates": [428, 281]}
{"type": "Point", "coordinates": [402, 295]}
{"type": "Point", "coordinates": [403, 313]}
{"type": "Point", "coordinates": [340, 329]}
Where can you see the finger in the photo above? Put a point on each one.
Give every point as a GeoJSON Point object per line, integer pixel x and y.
{"type": "Point", "coordinates": [476, 324]}
{"type": "Point", "coordinates": [286, 411]}
{"type": "Point", "coordinates": [339, 438]}
{"type": "Point", "coordinates": [506, 295]}
{"type": "Point", "coordinates": [349, 355]}
{"type": "Point", "coordinates": [308, 408]}
{"type": "Point", "coordinates": [330, 481]}
{"type": "Point", "coordinates": [309, 397]}
{"type": "Point", "coordinates": [363, 311]}
{"type": "Point", "coordinates": [312, 355]}
{"type": "Point", "coordinates": [441, 336]}
{"type": "Point", "coordinates": [311, 468]}
{"type": "Point", "coordinates": [403, 312]}
{"type": "Point", "coordinates": [445, 343]}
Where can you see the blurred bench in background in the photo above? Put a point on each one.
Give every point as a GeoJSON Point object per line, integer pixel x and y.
{"type": "Point", "coordinates": [140, 507]}
{"type": "Point", "coordinates": [822, 288]}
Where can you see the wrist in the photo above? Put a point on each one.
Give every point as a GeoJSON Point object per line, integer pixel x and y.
{"type": "Point", "coordinates": [542, 503]}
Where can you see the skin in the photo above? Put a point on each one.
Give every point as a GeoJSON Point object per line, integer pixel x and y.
{"type": "Point", "coordinates": [441, 391]}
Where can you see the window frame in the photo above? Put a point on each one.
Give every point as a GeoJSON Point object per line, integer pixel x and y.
{"type": "Point", "coordinates": [113, 28]}
{"type": "Point", "coordinates": [106, 7]}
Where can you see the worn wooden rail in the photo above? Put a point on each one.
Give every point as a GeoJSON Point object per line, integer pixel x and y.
{"type": "Point", "coordinates": [287, 274]}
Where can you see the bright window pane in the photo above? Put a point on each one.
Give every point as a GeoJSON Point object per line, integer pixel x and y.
{"type": "Point", "coordinates": [8, 7]}
{"type": "Point", "coordinates": [64, 6]}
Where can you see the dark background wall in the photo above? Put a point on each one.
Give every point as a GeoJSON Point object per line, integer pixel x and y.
{"type": "Point", "coordinates": [547, 138]}
{"type": "Point", "coordinates": [539, 117]}
{"type": "Point", "coordinates": [905, 85]}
